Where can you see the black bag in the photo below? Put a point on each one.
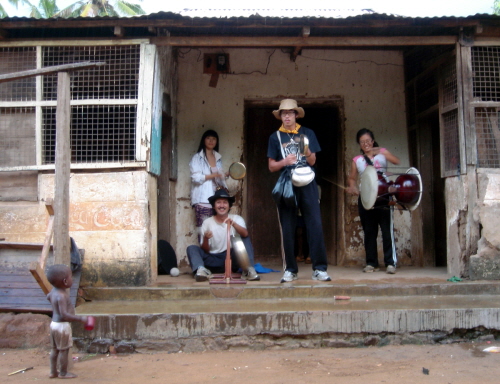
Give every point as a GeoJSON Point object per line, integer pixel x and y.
{"type": "Point", "coordinates": [166, 257]}
{"type": "Point", "coordinates": [283, 190]}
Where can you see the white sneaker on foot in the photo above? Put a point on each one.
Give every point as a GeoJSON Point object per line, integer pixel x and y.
{"type": "Point", "coordinates": [370, 268]}
{"type": "Point", "coordinates": [391, 269]}
{"type": "Point", "coordinates": [288, 276]}
{"type": "Point", "coordinates": [321, 275]}
{"type": "Point", "coordinates": [202, 274]}
{"type": "Point", "coordinates": [251, 274]}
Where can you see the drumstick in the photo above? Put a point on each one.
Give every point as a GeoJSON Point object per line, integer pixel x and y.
{"type": "Point", "coordinates": [338, 185]}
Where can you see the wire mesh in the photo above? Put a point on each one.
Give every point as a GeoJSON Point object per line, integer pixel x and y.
{"type": "Point", "coordinates": [117, 79]}
{"type": "Point", "coordinates": [488, 137]}
{"type": "Point", "coordinates": [449, 84]}
{"type": "Point", "coordinates": [17, 130]}
{"type": "Point", "coordinates": [486, 73]}
{"type": "Point", "coordinates": [451, 141]}
{"type": "Point", "coordinates": [17, 59]}
{"type": "Point", "coordinates": [99, 133]}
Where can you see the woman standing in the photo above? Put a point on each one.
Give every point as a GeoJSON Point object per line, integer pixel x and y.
{"type": "Point", "coordinates": [207, 175]}
{"type": "Point", "coordinates": [382, 215]}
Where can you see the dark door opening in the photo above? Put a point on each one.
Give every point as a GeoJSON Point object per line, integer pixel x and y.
{"type": "Point", "coordinates": [262, 219]}
{"type": "Point", "coordinates": [425, 155]}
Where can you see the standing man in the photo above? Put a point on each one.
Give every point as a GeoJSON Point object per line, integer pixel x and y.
{"type": "Point", "coordinates": [283, 152]}
{"type": "Point", "coordinates": [212, 251]}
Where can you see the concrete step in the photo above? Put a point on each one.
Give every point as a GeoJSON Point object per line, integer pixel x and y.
{"type": "Point", "coordinates": [178, 314]}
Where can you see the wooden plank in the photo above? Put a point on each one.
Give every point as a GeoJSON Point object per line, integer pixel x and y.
{"type": "Point", "coordinates": [39, 275]}
{"type": "Point", "coordinates": [49, 70]}
{"type": "Point", "coordinates": [20, 297]}
{"type": "Point", "coordinates": [49, 233]}
{"type": "Point", "coordinates": [32, 293]}
{"type": "Point", "coordinates": [87, 166]}
{"type": "Point", "coordinates": [12, 245]}
{"type": "Point", "coordinates": [18, 186]}
{"type": "Point", "coordinates": [260, 23]}
{"type": "Point", "coordinates": [62, 246]}
{"type": "Point", "coordinates": [21, 285]}
{"type": "Point", "coordinates": [315, 41]}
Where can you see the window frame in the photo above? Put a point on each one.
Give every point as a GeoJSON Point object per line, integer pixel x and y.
{"type": "Point", "coordinates": [143, 116]}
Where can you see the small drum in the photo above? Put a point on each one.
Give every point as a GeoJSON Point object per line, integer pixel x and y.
{"type": "Point", "coordinates": [407, 189]}
{"type": "Point", "coordinates": [237, 171]}
{"type": "Point", "coordinates": [240, 252]}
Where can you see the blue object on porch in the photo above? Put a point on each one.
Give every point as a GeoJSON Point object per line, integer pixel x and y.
{"type": "Point", "coordinates": [260, 269]}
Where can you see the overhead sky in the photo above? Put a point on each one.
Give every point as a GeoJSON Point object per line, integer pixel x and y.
{"type": "Point", "coordinates": [418, 8]}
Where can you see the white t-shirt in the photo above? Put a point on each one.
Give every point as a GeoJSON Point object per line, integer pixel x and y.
{"type": "Point", "coordinates": [379, 162]}
{"type": "Point", "coordinates": [218, 242]}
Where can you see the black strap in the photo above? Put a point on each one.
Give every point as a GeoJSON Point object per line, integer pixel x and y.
{"type": "Point", "coordinates": [367, 159]}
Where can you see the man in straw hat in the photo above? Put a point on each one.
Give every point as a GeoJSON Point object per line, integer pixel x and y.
{"type": "Point", "coordinates": [211, 254]}
{"type": "Point", "coordinates": [283, 154]}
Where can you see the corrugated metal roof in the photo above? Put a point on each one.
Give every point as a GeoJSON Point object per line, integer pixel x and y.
{"type": "Point", "coordinates": [274, 12]}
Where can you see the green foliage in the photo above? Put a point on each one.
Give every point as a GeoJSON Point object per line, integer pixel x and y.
{"type": "Point", "coordinates": [80, 8]}
{"type": "Point", "coordinates": [496, 7]}
{"type": "Point", "coordinates": [92, 8]}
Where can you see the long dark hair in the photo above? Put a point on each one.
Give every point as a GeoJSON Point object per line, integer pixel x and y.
{"type": "Point", "coordinates": [366, 131]}
{"type": "Point", "coordinates": [208, 133]}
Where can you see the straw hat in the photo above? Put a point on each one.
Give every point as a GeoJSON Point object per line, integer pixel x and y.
{"type": "Point", "coordinates": [289, 104]}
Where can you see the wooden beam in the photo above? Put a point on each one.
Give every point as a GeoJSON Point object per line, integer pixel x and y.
{"type": "Point", "coordinates": [310, 42]}
{"type": "Point", "coordinates": [242, 22]}
{"type": "Point", "coordinates": [40, 277]}
{"type": "Point", "coordinates": [62, 244]}
{"type": "Point", "coordinates": [49, 70]}
{"type": "Point", "coordinates": [306, 32]}
{"type": "Point", "coordinates": [48, 234]}
{"type": "Point", "coordinates": [119, 31]}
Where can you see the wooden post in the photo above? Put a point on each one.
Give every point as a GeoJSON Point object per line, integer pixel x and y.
{"type": "Point", "coordinates": [62, 244]}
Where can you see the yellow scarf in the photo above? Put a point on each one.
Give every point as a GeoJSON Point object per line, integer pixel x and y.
{"type": "Point", "coordinates": [294, 131]}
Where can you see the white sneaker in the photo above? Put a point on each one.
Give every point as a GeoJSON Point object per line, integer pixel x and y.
{"type": "Point", "coordinates": [391, 269]}
{"type": "Point", "coordinates": [370, 269]}
{"type": "Point", "coordinates": [321, 275]}
{"type": "Point", "coordinates": [202, 274]}
{"type": "Point", "coordinates": [288, 276]}
{"type": "Point", "coordinates": [251, 274]}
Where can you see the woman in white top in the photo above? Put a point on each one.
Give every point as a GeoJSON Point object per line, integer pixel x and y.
{"type": "Point", "coordinates": [381, 215]}
{"type": "Point", "coordinates": [207, 175]}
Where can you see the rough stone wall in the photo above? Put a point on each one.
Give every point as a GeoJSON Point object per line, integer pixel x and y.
{"type": "Point", "coordinates": [485, 265]}
{"type": "Point", "coordinates": [25, 330]}
{"type": "Point", "coordinates": [109, 217]}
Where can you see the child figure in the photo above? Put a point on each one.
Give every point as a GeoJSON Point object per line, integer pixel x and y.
{"type": "Point", "coordinates": [61, 337]}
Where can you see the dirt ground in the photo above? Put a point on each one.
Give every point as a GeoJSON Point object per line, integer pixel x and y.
{"type": "Point", "coordinates": [455, 363]}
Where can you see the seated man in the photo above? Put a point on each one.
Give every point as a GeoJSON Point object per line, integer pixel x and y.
{"type": "Point", "coordinates": [212, 253]}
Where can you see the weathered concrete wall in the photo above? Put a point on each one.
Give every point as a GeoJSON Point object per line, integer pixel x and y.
{"type": "Point", "coordinates": [486, 263]}
{"type": "Point", "coordinates": [371, 84]}
{"type": "Point", "coordinates": [197, 332]}
{"type": "Point", "coordinates": [109, 218]}
{"type": "Point", "coordinates": [456, 220]}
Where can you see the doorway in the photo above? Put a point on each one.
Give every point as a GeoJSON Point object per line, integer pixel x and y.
{"type": "Point", "coordinates": [430, 217]}
{"type": "Point", "coordinates": [322, 116]}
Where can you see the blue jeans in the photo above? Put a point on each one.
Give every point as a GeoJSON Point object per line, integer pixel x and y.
{"type": "Point", "coordinates": [199, 258]}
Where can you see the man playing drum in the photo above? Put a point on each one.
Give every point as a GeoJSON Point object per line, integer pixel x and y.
{"type": "Point", "coordinates": [382, 214]}
{"type": "Point", "coordinates": [211, 254]}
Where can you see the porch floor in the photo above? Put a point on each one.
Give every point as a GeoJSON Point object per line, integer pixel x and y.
{"type": "Point", "coordinates": [410, 287]}
{"type": "Point", "coordinates": [416, 305]}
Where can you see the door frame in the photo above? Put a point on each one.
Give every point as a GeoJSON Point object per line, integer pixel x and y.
{"type": "Point", "coordinates": [332, 101]}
